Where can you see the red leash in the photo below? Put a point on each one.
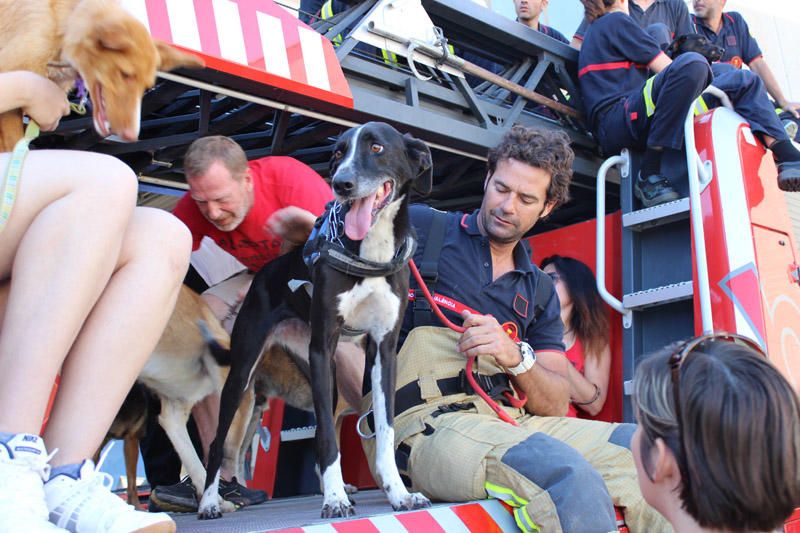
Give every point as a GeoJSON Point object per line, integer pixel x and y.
{"type": "Point", "coordinates": [470, 360]}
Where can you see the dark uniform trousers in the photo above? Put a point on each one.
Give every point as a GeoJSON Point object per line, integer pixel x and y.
{"type": "Point", "coordinates": [654, 114]}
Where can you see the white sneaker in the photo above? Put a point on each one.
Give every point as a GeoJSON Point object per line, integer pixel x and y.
{"type": "Point", "coordinates": [23, 470]}
{"type": "Point", "coordinates": [87, 505]}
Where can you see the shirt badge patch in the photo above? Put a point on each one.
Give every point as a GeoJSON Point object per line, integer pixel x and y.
{"type": "Point", "coordinates": [730, 40]}
{"type": "Point", "coordinates": [521, 306]}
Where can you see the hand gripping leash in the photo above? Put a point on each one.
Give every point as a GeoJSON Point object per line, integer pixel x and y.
{"type": "Point", "coordinates": [471, 360]}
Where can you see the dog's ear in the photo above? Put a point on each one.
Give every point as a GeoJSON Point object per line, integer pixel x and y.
{"type": "Point", "coordinates": [170, 58]}
{"type": "Point", "coordinates": [419, 155]}
{"type": "Point", "coordinates": [672, 49]}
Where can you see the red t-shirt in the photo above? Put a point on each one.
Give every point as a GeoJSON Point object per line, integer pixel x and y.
{"type": "Point", "coordinates": [277, 182]}
{"type": "Point", "coordinates": [575, 356]}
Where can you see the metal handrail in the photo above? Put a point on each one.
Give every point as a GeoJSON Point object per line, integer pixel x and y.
{"type": "Point", "coordinates": [696, 216]}
{"type": "Point", "coordinates": [623, 161]}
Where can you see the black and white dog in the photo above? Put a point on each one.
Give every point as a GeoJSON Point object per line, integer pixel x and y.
{"type": "Point", "coordinates": [357, 260]}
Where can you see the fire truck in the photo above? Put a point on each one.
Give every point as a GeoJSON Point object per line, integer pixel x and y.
{"type": "Point", "coordinates": [457, 76]}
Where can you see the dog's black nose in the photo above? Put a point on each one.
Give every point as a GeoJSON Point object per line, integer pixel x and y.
{"type": "Point", "coordinates": [343, 186]}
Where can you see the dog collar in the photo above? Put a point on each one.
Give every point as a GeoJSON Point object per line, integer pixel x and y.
{"type": "Point", "coordinates": [326, 242]}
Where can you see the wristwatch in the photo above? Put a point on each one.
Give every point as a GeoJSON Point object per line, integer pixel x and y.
{"type": "Point", "coordinates": [528, 359]}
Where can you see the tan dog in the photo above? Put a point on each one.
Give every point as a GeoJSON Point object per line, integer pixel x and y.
{"type": "Point", "coordinates": [97, 39]}
{"type": "Point", "coordinates": [187, 365]}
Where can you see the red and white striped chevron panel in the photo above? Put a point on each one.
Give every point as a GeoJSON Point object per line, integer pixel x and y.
{"type": "Point", "coordinates": [487, 516]}
{"type": "Point", "coordinates": [253, 39]}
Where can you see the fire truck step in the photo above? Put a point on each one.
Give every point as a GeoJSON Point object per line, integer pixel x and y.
{"type": "Point", "coordinates": [658, 295]}
{"type": "Point", "coordinates": [659, 215]}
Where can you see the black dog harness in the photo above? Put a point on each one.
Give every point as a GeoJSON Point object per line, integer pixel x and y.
{"type": "Point", "coordinates": [327, 241]}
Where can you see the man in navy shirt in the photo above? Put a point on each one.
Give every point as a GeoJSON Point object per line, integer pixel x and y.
{"type": "Point", "coordinates": [528, 13]}
{"type": "Point", "coordinates": [661, 19]}
{"type": "Point", "coordinates": [730, 31]}
{"type": "Point", "coordinates": [557, 473]}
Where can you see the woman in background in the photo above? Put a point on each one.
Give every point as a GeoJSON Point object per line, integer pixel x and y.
{"type": "Point", "coordinates": [586, 332]}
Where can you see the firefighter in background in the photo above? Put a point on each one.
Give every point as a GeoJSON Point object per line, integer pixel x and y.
{"type": "Point", "coordinates": [661, 19]}
{"type": "Point", "coordinates": [730, 31]}
{"type": "Point", "coordinates": [626, 110]}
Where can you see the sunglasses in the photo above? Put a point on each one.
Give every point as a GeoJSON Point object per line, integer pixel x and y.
{"type": "Point", "coordinates": [683, 352]}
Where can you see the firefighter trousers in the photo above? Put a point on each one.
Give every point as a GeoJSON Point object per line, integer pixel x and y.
{"type": "Point", "coordinates": [558, 474]}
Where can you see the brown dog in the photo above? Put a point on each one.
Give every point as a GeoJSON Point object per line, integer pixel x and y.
{"type": "Point", "coordinates": [96, 39]}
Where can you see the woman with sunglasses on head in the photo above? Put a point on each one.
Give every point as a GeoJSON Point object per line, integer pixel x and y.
{"type": "Point", "coordinates": [718, 442]}
{"type": "Point", "coordinates": [586, 332]}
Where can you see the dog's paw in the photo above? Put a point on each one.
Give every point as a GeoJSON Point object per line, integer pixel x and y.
{"type": "Point", "coordinates": [211, 508]}
{"type": "Point", "coordinates": [350, 489]}
{"type": "Point", "coordinates": [209, 513]}
{"type": "Point", "coordinates": [414, 500]}
{"type": "Point", "coordinates": [338, 509]}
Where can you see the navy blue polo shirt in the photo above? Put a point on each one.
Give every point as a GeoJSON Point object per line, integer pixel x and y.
{"type": "Point", "coordinates": [734, 36]}
{"type": "Point", "coordinates": [613, 61]}
{"type": "Point", "coordinates": [672, 13]}
{"type": "Point", "coordinates": [554, 33]}
{"type": "Point", "coordinates": [465, 276]}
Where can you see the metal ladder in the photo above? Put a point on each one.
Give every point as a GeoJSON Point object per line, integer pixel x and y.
{"type": "Point", "coordinates": [658, 302]}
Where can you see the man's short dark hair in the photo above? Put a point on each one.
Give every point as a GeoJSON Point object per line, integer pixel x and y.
{"type": "Point", "coordinates": [548, 150]}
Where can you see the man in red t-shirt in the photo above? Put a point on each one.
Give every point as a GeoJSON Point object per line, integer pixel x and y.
{"type": "Point", "coordinates": [255, 211]}
{"type": "Point", "coordinates": [242, 207]}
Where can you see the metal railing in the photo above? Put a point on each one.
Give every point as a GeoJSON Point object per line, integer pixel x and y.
{"type": "Point", "coordinates": [624, 162]}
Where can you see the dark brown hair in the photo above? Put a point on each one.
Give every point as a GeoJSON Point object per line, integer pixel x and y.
{"type": "Point", "coordinates": [589, 319]}
{"type": "Point", "coordinates": [740, 421]}
{"type": "Point", "coordinates": [203, 152]}
{"type": "Point", "coordinates": [548, 150]}
{"type": "Point", "coordinates": [594, 9]}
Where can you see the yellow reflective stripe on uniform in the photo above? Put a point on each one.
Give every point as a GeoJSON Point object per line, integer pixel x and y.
{"type": "Point", "coordinates": [520, 524]}
{"type": "Point", "coordinates": [528, 526]}
{"type": "Point", "coordinates": [326, 12]}
{"type": "Point", "coordinates": [504, 494]}
{"type": "Point", "coordinates": [700, 106]}
{"type": "Point", "coordinates": [647, 92]}
{"type": "Point", "coordinates": [390, 58]}
{"type": "Point", "coordinates": [778, 110]}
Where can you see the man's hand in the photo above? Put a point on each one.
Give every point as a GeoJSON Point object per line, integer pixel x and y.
{"type": "Point", "coordinates": [791, 107]}
{"type": "Point", "coordinates": [292, 224]}
{"type": "Point", "coordinates": [485, 336]}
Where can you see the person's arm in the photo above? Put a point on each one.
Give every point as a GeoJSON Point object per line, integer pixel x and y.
{"type": "Point", "coordinates": [545, 384]}
{"type": "Point", "coordinates": [760, 66]}
{"type": "Point", "coordinates": [37, 97]}
{"type": "Point", "coordinates": [659, 63]}
{"type": "Point", "coordinates": [582, 386]}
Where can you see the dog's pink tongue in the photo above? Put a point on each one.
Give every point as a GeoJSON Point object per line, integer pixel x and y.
{"type": "Point", "coordinates": [358, 219]}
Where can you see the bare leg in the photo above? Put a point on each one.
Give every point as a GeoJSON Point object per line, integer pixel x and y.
{"type": "Point", "coordinates": [120, 333]}
{"type": "Point", "coordinates": [74, 250]}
